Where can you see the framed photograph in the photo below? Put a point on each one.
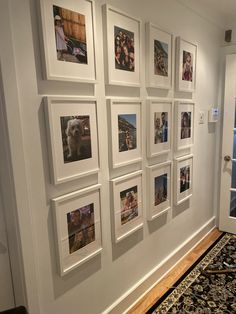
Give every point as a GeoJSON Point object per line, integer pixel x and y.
{"type": "Point", "coordinates": [72, 135]}
{"type": "Point", "coordinates": [68, 40]}
{"type": "Point", "coordinates": [185, 65]}
{"type": "Point", "coordinates": [125, 132]}
{"type": "Point", "coordinates": [183, 178]}
{"type": "Point", "coordinates": [159, 121]}
{"type": "Point", "coordinates": [123, 47]}
{"type": "Point", "coordinates": [159, 57]}
{"type": "Point", "coordinates": [127, 204]}
{"type": "Point", "coordinates": [159, 187]}
{"type": "Point", "coordinates": [184, 132]}
{"type": "Point", "coordinates": [78, 227]}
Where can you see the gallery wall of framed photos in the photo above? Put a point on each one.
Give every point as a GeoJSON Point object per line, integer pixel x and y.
{"type": "Point", "coordinates": [109, 100]}
{"type": "Point", "coordinates": [74, 134]}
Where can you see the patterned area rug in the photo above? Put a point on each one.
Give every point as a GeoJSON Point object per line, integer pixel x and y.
{"type": "Point", "coordinates": [201, 291]}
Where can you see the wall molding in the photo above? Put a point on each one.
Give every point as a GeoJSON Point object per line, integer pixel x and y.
{"type": "Point", "coordinates": [143, 286]}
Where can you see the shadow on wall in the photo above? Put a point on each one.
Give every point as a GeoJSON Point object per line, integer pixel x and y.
{"type": "Point", "coordinates": [177, 210]}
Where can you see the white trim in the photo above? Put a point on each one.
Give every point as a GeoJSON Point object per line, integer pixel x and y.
{"type": "Point", "coordinates": [18, 181]}
{"type": "Point", "coordinates": [143, 286]}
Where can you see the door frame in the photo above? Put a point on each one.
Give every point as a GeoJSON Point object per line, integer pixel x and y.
{"type": "Point", "coordinates": [227, 223]}
{"type": "Point", "coordinates": [9, 207]}
{"type": "Point", "coordinates": [22, 243]}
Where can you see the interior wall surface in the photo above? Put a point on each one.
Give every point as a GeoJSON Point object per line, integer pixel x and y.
{"type": "Point", "coordinates": [96, 285]}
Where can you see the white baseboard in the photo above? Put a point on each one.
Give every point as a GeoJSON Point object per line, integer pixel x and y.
{"type": "Point", "coordinates": [138, 291]}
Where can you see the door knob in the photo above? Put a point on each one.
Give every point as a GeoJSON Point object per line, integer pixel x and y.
{"type": "Point", "coordinates": [227, 158]}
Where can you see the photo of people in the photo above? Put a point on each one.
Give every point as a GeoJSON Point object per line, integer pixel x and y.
{"type": "Point", "coordinates": [124, 49]}
{"type": "Point", "coordinates": [160, 127]}
{"type": "Point", "coordinates": [160, 58]}
{"type": "Point", "coordinates": [76, 138]}
{"type": "Point", "coordinates": [81, 229]}
{"type": "Point", "coordinates": [70, 35]}
{"type": "Point", "coordinates": [129, 204]}
{"type": "Point", "coordinates": [184, 178]}
{"type": "Point", "coordinates": [185, 131]}
{"type": "Point", "coordinates": [160, 186]}
{"type": "Point", "coordinates": [127, 132]}
{"type": "Point", "coordinates": [187, 74]}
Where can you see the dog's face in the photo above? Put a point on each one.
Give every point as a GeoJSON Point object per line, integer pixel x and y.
{"type": "Point", "coordinates": [74, 128]}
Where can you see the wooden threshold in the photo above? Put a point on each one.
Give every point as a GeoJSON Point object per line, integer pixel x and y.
{"type": "Point", "coordinates": [170, 278]}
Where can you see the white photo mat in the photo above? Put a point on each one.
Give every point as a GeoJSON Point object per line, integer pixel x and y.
{"type": "Point", "coordinates": [184, 124]}
{"type": "Point", "coordinates": [185, 65]}
{"type": "Point", "coordinates": [159, 187]}
{"type": "Point", "coordinates": [57, 109]}
{"type": "Point", "coordinates": [127, 218]}
{"type": "Point", "coordinates": [55, 69]}
{"type": "Point", "coordinates": [125, 120]}
{"type": "Point", "coordinates": [159, 122]}
{"type": "Point", "coordinates": [159, 57]}
{"type": "Point", "coordinates": [183, 178]}
{"type": "Point", "coordinates": [63, 207]}
{"type": "Point", "coordinates": [120, 21]}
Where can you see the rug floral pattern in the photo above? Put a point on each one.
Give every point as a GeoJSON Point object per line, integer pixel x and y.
{"type": "Point", "coordinates": [203, 293]}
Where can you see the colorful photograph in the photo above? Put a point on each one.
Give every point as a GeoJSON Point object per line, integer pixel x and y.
{"type": "Point", "coordinates": [129, 204]}
{"type": "Point", "coordinates": [160, 127]}
{"type": "Point", "coordinates": [76, 138]}
{"type": "Point", "coordinates": [81, 229]}
{"type": "Point", "coordinates": [124, 49]}
{"type": "Point", "coordinates": [185, 131]}
{"type": "Point", "coordinates": [70, 35]}
{"type": "Point", "coordinates": [184, 178]}
{"type": "Point", "coordinates": [160, 58]}
{"type": "Point", "coordinates": [160, 187]}
{"type": "Point", "coordinates": [127, 132]}
{"type": "Point", "coordinates": [187, 74]}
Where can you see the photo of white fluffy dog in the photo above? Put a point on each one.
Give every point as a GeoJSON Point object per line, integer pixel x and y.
{"type": "Point", "coordinates": [74, 132]}
{"type": "Point", "coordinates": [76, 138]}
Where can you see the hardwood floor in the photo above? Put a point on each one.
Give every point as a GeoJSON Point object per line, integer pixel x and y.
{"type": "Point", "coordinates": [152, 296]}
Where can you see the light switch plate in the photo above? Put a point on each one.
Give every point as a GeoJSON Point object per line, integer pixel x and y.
{"type": "Point", "coordinates": [201, 118]}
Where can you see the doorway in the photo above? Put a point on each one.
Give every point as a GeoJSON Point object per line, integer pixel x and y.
{"type": "Point", "coordinates": [227, 217]}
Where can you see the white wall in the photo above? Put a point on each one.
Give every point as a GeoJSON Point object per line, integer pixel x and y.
{"type": "Point", "coordinates": [96, 285]}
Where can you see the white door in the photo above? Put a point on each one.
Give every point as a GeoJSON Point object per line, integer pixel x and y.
{"type": "Point", "coordinates": [6, 289]}
{"type": "Point", "coordinates": [227, 221]}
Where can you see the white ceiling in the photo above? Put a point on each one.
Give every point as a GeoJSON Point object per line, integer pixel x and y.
{"type": "Point", "coordinates": [225, 8]}
{"type": "Point", "coordinates": [219, 12]}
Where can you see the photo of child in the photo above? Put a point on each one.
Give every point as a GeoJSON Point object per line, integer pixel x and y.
{"type": "Point", "coordinates": [160, 58]}
{"type": "Point", "coordinates": [70, 35]}
{"type": "Point", "coordinates": [81, 229]}
{"type": "Point", "coordinates": [160, 188]}
{"type": "Point", "coordinates": [76, 138]}
{"type": "Point", "coordinates": [184, 178]}
{"type": "Point", "coordinates": [124, 49]}
{"type": "Point", "coordinates": [129, 204]}
{"type": "Point", "coordinates": [187, 74]}
{"type": "Point", "coordinates": [127, 132]}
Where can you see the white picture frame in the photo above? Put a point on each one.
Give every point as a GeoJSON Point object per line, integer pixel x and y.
{"type": "Point", "coordinates": [159, 53]}
{"type": "Point", "coordinates": [126, 131]}
{"type": "Point", "coordinates": [183, 179]}
{"type": "Point", "coordinates": [68, 40]}
{"type": "Point", "coordinates": [123, 63]}
{"type": "Point", "coordinates": [159, 189]}
{"type": "Point", "coordinates": [77, 225]}
{"type": "Point", "coordinates": [186, 54]}
{"type": "Point", "coordinates": [159, 122]}
{"type": "Point", "coordinates": [184, 124]}
{"type": "Point", "coordinates": [127, 205]}
{"type": "Point", "coordinates": [72, 137]}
